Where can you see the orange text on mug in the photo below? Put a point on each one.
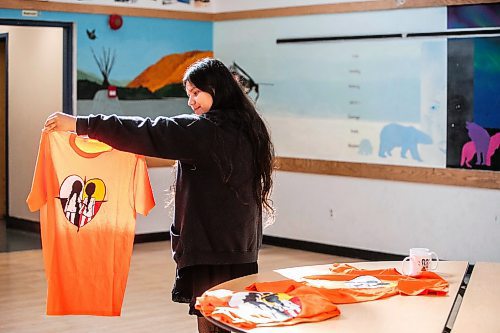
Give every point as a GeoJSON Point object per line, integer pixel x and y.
{"type": "Point", "coordinates": [420, 260]}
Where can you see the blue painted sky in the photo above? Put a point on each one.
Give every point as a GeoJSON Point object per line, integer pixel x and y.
{"type": "Point", "coordinates": [140, 42]}
{"type": "Point", "coordinates": [388, 84]}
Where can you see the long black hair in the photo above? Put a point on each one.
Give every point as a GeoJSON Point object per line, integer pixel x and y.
{"type": "Point", "coordinates": [212, 76]}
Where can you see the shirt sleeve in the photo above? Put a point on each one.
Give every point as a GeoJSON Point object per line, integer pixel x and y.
{"type": "Point", "coordinates": [38, 194]}
{"type": "Point", "coordinates": [177, 138]}
{"type": "Point", "coordinates": [143, 194]}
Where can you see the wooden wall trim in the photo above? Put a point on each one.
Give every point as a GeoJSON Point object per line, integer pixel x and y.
{"type": "Point", "coordinates": [342, 8]}
{"type": "Point", "coordinates": [439, 176]}
{"type": "Point", "coordinates": [154, 162]}
{"type": "Point", "coordinates": [236, 15]}
{"type": "Point", "coordinates": [101, 9]}
{"type": "Point", "coordinates": [3, 125]}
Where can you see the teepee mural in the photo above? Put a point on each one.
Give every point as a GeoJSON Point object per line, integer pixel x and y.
{"type": "Point", "coordinates": [137, 69]}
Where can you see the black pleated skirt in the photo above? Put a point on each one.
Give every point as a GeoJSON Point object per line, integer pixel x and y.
{"type": "Point", "coordinates": [192, 281]}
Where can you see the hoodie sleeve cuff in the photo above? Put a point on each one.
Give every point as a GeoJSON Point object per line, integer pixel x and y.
{"type": "Point", "coordinates": [82, 125]}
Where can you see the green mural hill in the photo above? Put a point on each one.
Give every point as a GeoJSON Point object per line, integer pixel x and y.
{"type": "Point", "coordinates": [172, 90]}
{"type": "Point", "coordinates": [81, 75]}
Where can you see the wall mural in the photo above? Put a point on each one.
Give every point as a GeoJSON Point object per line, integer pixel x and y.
{"type": "Point", "coordinates": [473, 91]}
{"type": "Point", "coordinates": [383, 97]}
{"type": "Point", "coordinates": [370, 105]}
{"type": "Point", "coordinates": [134, 66]}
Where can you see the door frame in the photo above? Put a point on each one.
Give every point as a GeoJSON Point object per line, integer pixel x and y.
{"type": "Point", "coordinates": [67, 78]}
{"type": "Point", "coordinates": [4, 39]}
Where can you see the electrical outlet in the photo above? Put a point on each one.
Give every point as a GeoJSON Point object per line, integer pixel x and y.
{"type": "Point", "coordinates": [331, 214]}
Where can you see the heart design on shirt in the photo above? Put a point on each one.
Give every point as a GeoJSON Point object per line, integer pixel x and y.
{"type": "Point", "coordinates": [81, 199]}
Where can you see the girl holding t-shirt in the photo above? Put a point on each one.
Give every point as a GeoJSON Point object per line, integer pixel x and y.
{"type": "Point", "coordinates": [224, 176]}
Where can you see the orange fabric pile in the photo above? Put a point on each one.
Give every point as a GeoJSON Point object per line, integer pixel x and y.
{"type": "Point", "coordinates": [289, 302]}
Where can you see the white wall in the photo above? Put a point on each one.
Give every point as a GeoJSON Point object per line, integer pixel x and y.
{"type": "Point", "coordinates": [459, 223]}
{"type": "Point", "coordinates": [35, 91]}
{"type": "Point", "coordinates": [160, 217]}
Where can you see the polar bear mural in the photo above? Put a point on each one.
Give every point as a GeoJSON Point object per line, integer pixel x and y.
{"type": "Point", "coordinates": [407, 137]}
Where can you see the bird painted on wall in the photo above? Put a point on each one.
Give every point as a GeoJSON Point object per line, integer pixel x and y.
{"type": "Point", "coordinates": [91, 34]}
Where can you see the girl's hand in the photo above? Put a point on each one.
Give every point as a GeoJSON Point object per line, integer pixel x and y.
{"type": "Point", "coordinates": [60, 122]}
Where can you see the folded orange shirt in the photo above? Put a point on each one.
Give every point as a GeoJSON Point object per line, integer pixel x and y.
{"type": "Point", "coordinates": [289, 302]}
{"type": "Point", "coordinates": [260, 309]}
{"type": "Point", "coordinates": [347, 284]}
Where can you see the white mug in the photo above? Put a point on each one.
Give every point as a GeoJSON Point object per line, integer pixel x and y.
{"type": "Point", "coordinates": [420, 260]}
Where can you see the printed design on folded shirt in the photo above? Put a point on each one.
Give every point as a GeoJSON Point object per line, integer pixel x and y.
{"type": "Point", "coordinates": [81, 199]}
{"type": "Point", "coordinates": [367, 282]}
{"type": "Point", "coordinates": [262, 307]}
{"type": "Point", "coordinates": [359, 282]}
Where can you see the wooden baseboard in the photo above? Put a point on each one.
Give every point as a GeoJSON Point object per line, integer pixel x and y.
{"type": "Point", "coordinates": [22, 224]}
{"type": "Point", "coordinates": [152, 237]}
{"type": "Point", "coordinates": [34, 227]}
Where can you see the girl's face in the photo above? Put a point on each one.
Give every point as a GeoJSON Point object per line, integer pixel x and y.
{"type": "Point", "coordinates": [198, 100]}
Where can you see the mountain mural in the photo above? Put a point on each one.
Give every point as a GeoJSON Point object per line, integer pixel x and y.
{"type": "Point", "coordinates": [158, 81]}
{"type": "Point", "coordinates": [168, 70]}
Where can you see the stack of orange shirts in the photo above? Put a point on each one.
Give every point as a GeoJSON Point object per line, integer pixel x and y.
{"type": "Point", "coordinates": [288, 302]}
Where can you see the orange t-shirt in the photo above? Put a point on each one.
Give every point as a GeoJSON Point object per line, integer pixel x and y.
{"type": "Point", "coordinates": [347, 284]}
{"type": "Point", "coordinates": [88, 195]}
{"type": "Point", "coordinates": [260, 309]}
{"type": "Point", "coordinates": [289, 302]}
